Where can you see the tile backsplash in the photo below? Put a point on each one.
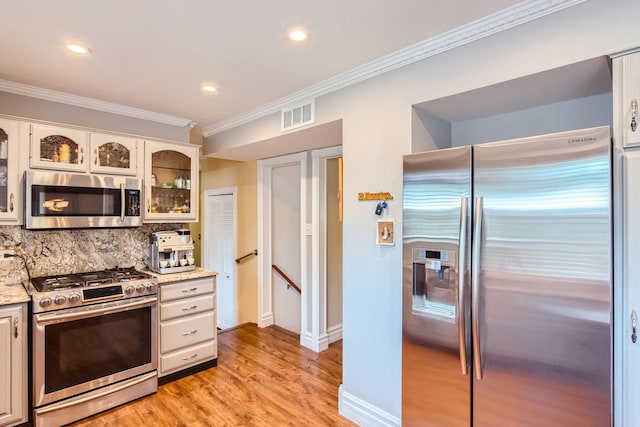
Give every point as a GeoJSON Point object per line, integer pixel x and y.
{"type": "Point", "coordinates": [49, 252]}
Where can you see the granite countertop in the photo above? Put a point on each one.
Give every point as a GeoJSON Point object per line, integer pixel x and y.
{"type": "Point", "coordinates": [13, 293]}
{"type": "Point", "coordinates": [198, 273]}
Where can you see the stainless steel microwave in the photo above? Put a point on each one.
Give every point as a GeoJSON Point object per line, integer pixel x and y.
{"type": "Point", "coordinates": [65, 200]}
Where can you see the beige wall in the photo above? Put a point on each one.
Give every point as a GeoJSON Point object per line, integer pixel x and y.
{"type": "Point", "coordinates": [196, 138]}
{"type": "Point", "coordinates": [216, 173]}
{"type": "Point", "coordinates": [334, 248]}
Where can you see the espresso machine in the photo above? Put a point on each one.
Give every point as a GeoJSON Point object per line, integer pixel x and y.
{"type": "Point", "coordinates": [171, 252]}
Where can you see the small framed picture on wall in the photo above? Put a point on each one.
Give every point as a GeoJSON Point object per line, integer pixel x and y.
{"type": "Point", "coordinates": [386, 232]}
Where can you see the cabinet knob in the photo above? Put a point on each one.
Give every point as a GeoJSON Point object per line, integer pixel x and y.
{"type": "Point", "coordinates": [95, 156]}
{"type": "Point", "coordinates": [634, 109]}
{"type": "Point", "coordinates": [15, 327]}
{"type": "Point", "coordinates": [82, 156]}
{"type": "Point", "coordinates": [11, 202]}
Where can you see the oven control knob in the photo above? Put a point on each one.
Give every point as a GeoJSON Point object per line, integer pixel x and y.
{"type": "Point", "coordinates": [151, 287]}
{"type": "Point", "coordinates": [129, 289]}
{"type": "Point", "coordinates": [140, 288]}
{"type": "Point", "coordinates": [60, 299]}
{"type": "Point", "coordinates": [45, 302]}
{"type": "Point", "coordinates": [74, 298]}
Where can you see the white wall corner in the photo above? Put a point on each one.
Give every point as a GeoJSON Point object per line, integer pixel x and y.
{"type": "Point", "coordinates": [363, 413]}
{"type": "Point", "coordinates": [266, 320]}
{"type": "Point", "coordinates": [307, 340]}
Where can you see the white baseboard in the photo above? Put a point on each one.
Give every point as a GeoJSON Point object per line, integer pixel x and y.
{"type": "Point", "coordinates": [334, 333]}
{"type": "Point", "coordinates": [363, 413]}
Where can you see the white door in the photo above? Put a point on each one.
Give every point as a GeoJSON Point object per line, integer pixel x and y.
{"type": "Point", "coordinates": [220, 249]}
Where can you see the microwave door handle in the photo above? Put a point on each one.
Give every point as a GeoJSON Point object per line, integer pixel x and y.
{"type": "Point", "coordinates": [122, 202]}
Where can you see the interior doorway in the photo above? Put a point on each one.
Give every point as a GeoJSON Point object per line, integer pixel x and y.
{"type": "Point", "coordinates": [219, 226]}
{"type": "Point", "coordinates": [326, 260]}
{"type": "Point", "coordinates": [333, 242]}
{"type": "Point", "coordinates": [283, 242]}
{"type": "Point", "coordinates": [285, 246]}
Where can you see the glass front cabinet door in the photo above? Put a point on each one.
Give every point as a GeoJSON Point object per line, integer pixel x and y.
{"type": "Point", "coordinates": [171, 182]}
{"type": "Point", "coordinates": [114, 154]}
{"type": "Point", "coordinates": [9, 171]}
{"type": "Point", "coordinates": [58, 148]}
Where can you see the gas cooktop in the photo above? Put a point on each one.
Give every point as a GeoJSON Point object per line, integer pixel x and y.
{"type": "Point", "coordinates": [92, 278]}
{"type": "Point", "coordinates": [73, 290]}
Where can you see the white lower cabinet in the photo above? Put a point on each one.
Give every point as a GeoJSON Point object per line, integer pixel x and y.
{"type": "Point", "coordinates": [13, 364]}
{"type": "Point", "coordinates": [187, 327]}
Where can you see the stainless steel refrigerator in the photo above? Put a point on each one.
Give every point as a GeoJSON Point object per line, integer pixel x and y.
{"type": "Point", "coordinates": [507, 273]}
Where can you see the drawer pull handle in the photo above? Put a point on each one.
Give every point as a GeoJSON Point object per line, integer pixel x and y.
{"type": "Point", "coordinates": [193, 356]}
{"type": "Point", "coordinates": [184, 291]}
{"type": "Point", "coordinates": [193, 307]}
{"type": "Point", "coordinates": [189, 333]}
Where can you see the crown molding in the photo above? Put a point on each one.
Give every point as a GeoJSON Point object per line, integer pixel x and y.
{"type": "Point", "coordinates": [519, 14]}
{"type": "Point", "coordinates": [93, 104]}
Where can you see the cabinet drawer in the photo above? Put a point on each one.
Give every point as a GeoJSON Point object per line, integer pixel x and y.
{"type": "Point", "coordinates": [187, 331]}
{"type": "Point", "coordinates": [187, 306]}
{"type": "Point", "coordinates": [186, 357]}
{"type": "Point", "coordinates": [188, 288]}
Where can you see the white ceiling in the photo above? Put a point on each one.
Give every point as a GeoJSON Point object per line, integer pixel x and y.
{"type": "Point", "coordinates": [154, 54]}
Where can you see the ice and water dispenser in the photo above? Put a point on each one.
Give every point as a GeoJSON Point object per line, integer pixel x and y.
{"type": "Point", "coordinates": [434, 283]}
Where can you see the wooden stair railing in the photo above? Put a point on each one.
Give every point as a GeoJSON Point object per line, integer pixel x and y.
{"type": "Point", "coordinates": [243, 257]}
{"type": "Point", "coordinates": [290, 283]}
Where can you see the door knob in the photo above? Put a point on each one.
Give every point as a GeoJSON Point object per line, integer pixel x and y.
{"type": "Point", "coordinates": [634, 321]}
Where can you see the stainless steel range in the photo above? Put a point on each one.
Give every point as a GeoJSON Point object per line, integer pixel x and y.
{"type": "Point", "coordinates": [94, 342]}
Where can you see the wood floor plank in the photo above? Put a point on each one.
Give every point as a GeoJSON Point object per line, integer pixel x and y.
{"type": "Point", "coordinates": [263, 378]}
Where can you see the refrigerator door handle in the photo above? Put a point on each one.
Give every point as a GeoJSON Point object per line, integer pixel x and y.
{"type": "Point", "coordinates": [462, 341]}
{"type": "Point", "coordinates": [475, 276]}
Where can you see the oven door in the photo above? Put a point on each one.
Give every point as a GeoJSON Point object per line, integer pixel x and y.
{"type": "Point", "coordinates": [84, 348]}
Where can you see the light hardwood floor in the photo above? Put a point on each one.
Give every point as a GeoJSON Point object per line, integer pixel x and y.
{"type": "Point", "coordinates": [263, 378]}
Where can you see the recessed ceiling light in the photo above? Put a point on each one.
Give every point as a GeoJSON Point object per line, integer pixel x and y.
{"type": "Point", "coordinates": [76, 48]}
{"type": "Point", "coordinates": [298, 34]}
{"type": "Point", "coordinates": [209, 88]}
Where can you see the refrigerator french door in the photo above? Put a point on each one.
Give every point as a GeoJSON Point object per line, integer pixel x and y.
{"type": "Point", "coordinates": [507, 283]}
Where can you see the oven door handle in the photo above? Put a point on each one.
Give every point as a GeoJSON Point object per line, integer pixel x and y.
{"type": "Point", "coordinates": [44, 318]}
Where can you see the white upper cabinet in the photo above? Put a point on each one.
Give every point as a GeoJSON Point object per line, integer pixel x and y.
{"type": "Point", "coordinates": [170, 182]}
{"type": "Point", "coordinates": [10, 207]}
{"type": "Point", "coordinates": [629, 99]}
{"type": "Point", "coordinates": [114, 154]}
{"type": "Point", "coordinates": [59, 148]}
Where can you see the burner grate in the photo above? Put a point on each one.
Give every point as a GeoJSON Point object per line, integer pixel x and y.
{"type": "Point", "coordinates": [93, 278]}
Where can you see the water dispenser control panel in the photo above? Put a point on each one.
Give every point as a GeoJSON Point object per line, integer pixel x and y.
{"type": "Point", "coordinates": [434, 290]}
